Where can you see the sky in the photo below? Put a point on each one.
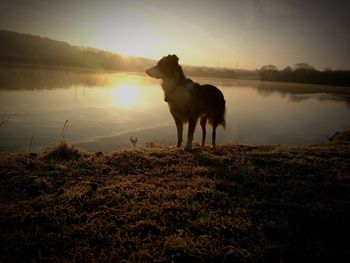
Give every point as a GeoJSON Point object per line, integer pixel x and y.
{"type": "Point", "coordinates": [223, 33]}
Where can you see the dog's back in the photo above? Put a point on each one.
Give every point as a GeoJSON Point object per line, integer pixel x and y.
{"type": "Point", "coordinates": [209, 101]}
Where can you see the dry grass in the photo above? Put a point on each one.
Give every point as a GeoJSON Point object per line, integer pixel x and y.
{"type": "Point", "coordinates": [234, 204]}
{"type": "Point", "coordinates": [341, 136]}
{"type": "Point", "coordinates": [62, 150]}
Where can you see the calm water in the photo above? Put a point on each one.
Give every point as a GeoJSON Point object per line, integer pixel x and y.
{"type": "Point", "coordinates": [104, 110]}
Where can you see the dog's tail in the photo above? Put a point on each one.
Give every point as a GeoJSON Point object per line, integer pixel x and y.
{"type": "Point", "coordinates": [216, 104]}
{"type": "Point", "coordinates": [220, 114]}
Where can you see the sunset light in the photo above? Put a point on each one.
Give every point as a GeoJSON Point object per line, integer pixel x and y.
{"type": "Point", "coordinates": [236, 34]}
{"type": "Point", "coordinates": [174, 131]}
{"type": "Point", "coordinates": [132, 41]}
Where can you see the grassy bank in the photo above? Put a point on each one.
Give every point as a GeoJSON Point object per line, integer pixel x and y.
{"type": "Point", "coordinates": [235, 203]}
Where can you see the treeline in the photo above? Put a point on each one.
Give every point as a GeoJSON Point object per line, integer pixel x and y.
{"type": "Point", "coordinates": [304, 73]}
{"type": "Point", "coordinates": [17, 48]}
{"type": "Point", "coordinates": [28, 49]}
{"type": "Point", "coordinates": [205, 72]}
{"type": "Point", "coordinates": [226, 73]}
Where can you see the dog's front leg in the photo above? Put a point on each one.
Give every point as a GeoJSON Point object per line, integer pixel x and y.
{"type": "Point", "coordinates": [179, 127]}
{"type": "Point", "coordinates": [204, 131]}
{"type": "Point", "coordinates": [191, 126]}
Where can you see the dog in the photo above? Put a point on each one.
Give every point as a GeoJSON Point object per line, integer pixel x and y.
{"type": "Point", "coordinates": [189, 101]}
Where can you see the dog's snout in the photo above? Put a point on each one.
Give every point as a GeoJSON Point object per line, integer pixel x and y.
{"type": "Point", "coordinates": [154, 72]}
{"type": "Point", "coordinates": [148, 72]}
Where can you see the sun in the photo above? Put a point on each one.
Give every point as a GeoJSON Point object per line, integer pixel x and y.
{"type": "Point", "coordinates": [132, 39]}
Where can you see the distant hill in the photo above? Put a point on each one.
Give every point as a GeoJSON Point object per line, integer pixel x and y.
{"type": "Point", "coordinates": [24, 49]}
{"type": "Point", "coordinates": [28, 49]}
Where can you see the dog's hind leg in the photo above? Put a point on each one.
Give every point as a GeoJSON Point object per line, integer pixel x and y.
{"type": "Point", "coordinates": [179, 127]}
{"type": "Point", "coordinates": [204, 132]}
{"type": "Point", "coordinates": [214, 135]}
{"type": "Point", "coordinates": [191, 126]}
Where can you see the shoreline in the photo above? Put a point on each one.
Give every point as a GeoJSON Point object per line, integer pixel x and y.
{"type": "Point", "coordinates": [106, 71]}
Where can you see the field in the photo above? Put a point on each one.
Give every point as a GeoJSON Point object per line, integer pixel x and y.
{"type": "Point", "coordinates": [235, 203]}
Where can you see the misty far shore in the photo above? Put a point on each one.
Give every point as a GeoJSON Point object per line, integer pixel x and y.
{"type": "Point", "coordinates": [24, 50]}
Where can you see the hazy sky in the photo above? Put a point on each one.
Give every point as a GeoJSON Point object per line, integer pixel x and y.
{"type": "Point", "coordinates": [226, 33]}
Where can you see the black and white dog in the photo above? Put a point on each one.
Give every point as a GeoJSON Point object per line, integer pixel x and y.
{"type": "Point", "coordinates": [189, 101]}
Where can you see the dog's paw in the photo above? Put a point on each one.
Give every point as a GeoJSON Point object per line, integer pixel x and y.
{"type": "Point", "coordinates": [188, 148]}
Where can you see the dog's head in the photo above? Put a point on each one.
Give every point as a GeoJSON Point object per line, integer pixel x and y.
{"type": "Point", "coordinates": [167, 68]}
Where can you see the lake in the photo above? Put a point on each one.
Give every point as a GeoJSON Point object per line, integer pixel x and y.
{"type": "Point", "coordinates": [105, 109]}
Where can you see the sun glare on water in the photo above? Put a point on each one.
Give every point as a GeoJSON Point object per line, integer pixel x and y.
{"type": "Point", "coordinates": [131, 91]}
{"type": "Point", "coordinates": [126, 95]}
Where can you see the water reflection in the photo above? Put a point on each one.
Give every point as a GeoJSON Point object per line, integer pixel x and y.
{"type": "Point", "coordinates": [105, 109]}
{"type": "Point", "coordinates": [126, 95]}
{"type": "Point", "coordinates": [129, 91]}
{"type": "Point", "coordinates": [297, 92]}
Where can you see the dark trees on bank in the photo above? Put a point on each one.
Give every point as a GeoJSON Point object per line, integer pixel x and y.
{"type": "Point", "coordinates": [305, 73]}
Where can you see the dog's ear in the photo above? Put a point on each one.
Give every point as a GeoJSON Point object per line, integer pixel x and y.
{"type": "Point", "coordinates": [174, 58]}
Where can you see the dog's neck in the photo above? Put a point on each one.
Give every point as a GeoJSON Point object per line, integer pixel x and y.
{"type": "Point", "coordinates": [169, 86]}
{"type": "Point", "coordinates": [179, 80]}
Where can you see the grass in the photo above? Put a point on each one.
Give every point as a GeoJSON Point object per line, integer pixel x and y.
{"type": "Point", "coordinates": [235, 203]}
{"type": "Point", "coordinates": [62, 151]}
{"type": "Point", "coordinates": [341, 136]}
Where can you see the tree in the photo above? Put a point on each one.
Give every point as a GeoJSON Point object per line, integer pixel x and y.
{"type": "Point", "coordinates": [268, 72]}
{"type": "Point", "coordinates": [303, 67]}
{"type": "Point", "coordinates": [287, 69]}
{"type": "Point", "coordinates": [269, 68]}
